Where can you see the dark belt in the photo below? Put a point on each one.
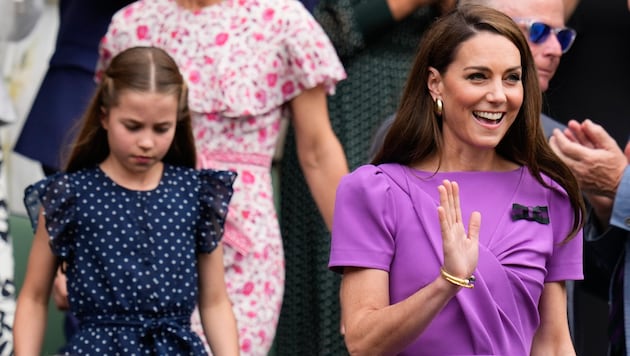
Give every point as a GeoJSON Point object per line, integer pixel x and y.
{"type": "Point", "coordinates": [155, 329]}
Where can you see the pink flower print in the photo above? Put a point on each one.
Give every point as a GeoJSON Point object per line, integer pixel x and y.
{"type": "Point", "coordinates": [245, 214]}
{"type": "Point", "coordinates": [262, 135]}
{"type": "Point", "coordinates": [246, 345]}
{"type": "Point", "coordinates": [268, 15]}
{"type": "Point", "coordinates": [107, 55]}
{"type": "Point", "coordinates": [208, 60]}
{"type": "Point", "coordinates": [262, 335]}
{"type": "Point", "coordinates": [269, 289]}
{"type": "Point", "coordinates": [128, 11]}
{"type": "Point", "coordinates": [259, 36]}
{"type": "Point", "coordinates": [142, 32]}
{"type": "Point", "coordinates": [201, 133]}
{"type": "Point", "coordinates": [221, 39]}
{"type": "Point", "coordinates": [247, 177]}
{"type": "Point", "coordinates": [288, 88]}
{"type": "Point", "coordinates": [248, 288]}
{"type": "Point", "coordinates": [237, 269]}
{"type": "Point", "coordinates": [194, 77]}
{"type": "Point", "coordinates": [272, 79]}
{"type": "Point", "coordinates": [261, 96]}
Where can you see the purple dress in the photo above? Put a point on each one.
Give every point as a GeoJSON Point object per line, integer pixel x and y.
{"type": "Point", "coordinates": [386, 218]}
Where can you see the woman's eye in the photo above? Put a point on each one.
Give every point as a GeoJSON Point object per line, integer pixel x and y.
{"type": "Point", "coordinates": [476, 76]}
{"type": "Point", "coordinates": [514, 78]}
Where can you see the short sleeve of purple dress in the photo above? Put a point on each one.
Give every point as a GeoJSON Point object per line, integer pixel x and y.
{"type": "Point", "coordinates": [386, 218]}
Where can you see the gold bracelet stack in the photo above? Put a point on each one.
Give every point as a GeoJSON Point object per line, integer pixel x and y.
{"type": "Point", "coordinates": [462, 282]}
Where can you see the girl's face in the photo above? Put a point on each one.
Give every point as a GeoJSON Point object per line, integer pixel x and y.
{"type": "Point", "coordinates": [481, 90]}
{"type": "Point", "coordinates": [140, 129]}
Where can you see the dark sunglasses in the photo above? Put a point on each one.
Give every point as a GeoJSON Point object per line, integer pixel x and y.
{"type": "Point", "coordinates": [538, 32]}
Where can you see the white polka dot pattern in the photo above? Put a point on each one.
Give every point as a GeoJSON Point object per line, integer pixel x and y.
{"type": "Point", "coordinates": [132, 267]}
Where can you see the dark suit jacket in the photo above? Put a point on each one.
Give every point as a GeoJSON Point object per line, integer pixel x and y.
{"type": "Point", "coordinates": [69, 82]}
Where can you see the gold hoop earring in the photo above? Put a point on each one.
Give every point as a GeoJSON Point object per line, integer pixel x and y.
{"type": "Point", "coordinates": [439, 107]}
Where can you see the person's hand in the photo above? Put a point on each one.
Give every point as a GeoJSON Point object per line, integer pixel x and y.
{"type": "Point", "coordinates": [461, 249]}
{"type": "Point", "coordinates": [593, 156]}
{"type": "Point", "coordinates": [60, 291]}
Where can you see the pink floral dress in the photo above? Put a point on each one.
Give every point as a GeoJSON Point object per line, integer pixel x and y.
{"type": "Point", "coordinates": [243, 60]}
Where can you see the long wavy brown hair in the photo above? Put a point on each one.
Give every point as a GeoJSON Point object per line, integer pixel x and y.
{"type": "Point", "coordinates": [416, 132]}
{"type": "Point", "coordinates": [140, 69]}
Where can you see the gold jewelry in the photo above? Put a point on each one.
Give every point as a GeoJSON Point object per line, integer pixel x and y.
{"type": "Point", "coordinates": [462, 282]}
{"type": "Point", "coordinates": [439, 107]}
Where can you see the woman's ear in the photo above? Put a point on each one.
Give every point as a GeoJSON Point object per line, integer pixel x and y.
{"type": "Point", "coordinates": [434, 83]}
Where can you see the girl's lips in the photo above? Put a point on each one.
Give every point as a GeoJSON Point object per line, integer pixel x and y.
{"type": "Point", "coordinates": [142, 159]}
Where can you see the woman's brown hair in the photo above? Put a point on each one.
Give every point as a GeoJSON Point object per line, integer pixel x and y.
{"type": "Point", "coordinates": [139, 69]}
{"type": "Point", "coordinates": [416, 132]}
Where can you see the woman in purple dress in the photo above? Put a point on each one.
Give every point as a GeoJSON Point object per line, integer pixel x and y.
{"type": "Point", "coordinates": [423, 274]}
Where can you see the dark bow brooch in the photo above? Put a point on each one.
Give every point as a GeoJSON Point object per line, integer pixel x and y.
{"type": "Point", "coordinates": [535, 213]}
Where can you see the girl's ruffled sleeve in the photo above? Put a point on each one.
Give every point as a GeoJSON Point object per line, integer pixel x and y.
{"type": "Point", "coordinates": [54, 197]}
{"type": "Point", "coordinates": [215, 193]}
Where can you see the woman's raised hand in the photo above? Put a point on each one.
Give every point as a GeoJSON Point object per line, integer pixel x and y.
{"type": "Point", "coordinates": [461, 249]}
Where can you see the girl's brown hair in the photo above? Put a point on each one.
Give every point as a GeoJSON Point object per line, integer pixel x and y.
{"type": "Point", "coordinates": [415, 133]}
{"type": "Point", "coordinates": [140, 69]}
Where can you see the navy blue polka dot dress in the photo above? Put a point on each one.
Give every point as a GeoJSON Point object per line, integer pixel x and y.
{"type": "Point", "coordinates": [131, 255]}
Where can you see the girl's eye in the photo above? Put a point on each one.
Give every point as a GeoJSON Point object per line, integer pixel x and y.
{"type": "Point", "coordinates": [162, 129]}
{"type": "Point", "coordinates": [132, 127]}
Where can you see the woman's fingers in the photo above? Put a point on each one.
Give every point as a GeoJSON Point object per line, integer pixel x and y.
{"type": "Point", "coordinates": [474, 225]}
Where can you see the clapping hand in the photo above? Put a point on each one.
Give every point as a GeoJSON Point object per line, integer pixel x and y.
{"type": "Point", "coordinates": [593, 156]}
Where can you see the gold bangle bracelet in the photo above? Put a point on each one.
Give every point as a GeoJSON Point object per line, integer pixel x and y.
{"type": "Point", "coordinates": [462, 282]}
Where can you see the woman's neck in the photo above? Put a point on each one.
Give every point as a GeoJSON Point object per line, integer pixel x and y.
{"type": "Point", "coordinates": [195, 5]}
{"type": "Point", "coordinates": [465, 163]}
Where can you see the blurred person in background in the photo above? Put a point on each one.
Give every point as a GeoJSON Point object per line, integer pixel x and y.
{"type": "Point", "coordinates": [592, 83]}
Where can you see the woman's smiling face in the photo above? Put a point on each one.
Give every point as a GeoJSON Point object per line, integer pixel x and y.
{"type": "Point", "coordinates": [481, 90]}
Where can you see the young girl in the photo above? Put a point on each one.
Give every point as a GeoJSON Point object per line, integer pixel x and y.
{"type": "Point", "coordinates": [136, 227]}
{"type": "Point", "coordinates": [247, 64]}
